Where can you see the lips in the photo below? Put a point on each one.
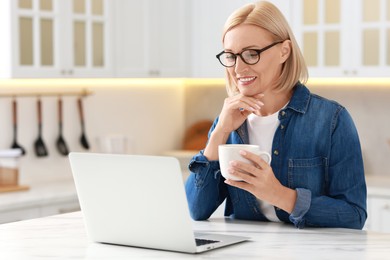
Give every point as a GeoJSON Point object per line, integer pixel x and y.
{"type": "Point", "coordinates": [246, 80]}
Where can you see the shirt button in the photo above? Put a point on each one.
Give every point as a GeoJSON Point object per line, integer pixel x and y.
{"type": "Point", "coordinates": [276, 152]}
{"type": "Point", "coordinates": [283, 113]}
{"type": "Point", "coordinates": [282, 127]}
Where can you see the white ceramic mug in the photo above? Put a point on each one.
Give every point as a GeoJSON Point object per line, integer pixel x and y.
{"type": "Point", "coordinates": [231, 152]}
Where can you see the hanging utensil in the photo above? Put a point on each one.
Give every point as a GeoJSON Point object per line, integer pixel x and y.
{"type": "Point", "coordinates": [39, 145]}
{"type": "Point", "coordinates": [83, 138]}
{"type": "Point", "coordinates": [15, 144]}
{"type": "Point", "coordinates": [61, 144]}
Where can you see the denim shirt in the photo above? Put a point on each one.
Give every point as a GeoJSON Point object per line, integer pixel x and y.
{"type": "Point", "coordinates": [315, 150]}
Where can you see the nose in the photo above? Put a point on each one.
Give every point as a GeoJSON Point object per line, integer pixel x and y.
{"type": "Point", "coordinates": [240, 65]}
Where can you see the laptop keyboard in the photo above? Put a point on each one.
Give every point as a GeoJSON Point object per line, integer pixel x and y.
{"type": "Point", "coordinates": [202, 242]}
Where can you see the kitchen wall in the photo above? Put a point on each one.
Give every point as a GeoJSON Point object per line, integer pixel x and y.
{"type": "Point", "coordinates": [150, 115]}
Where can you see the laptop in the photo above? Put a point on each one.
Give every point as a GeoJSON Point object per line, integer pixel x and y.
{"type": "Point", "coordinates": [140, 201]}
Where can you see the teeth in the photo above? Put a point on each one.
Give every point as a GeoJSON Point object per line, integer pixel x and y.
{"type": "Point", "coordinates": [247, 79]}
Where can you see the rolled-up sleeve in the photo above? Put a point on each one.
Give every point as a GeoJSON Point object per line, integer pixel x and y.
{"type": "Point", "coordinates": [204, 187]}
{"type": "Point", "coordinates": [302, 206]}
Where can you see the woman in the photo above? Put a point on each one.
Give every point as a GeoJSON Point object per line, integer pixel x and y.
{"type": "Point", "coordinates": [316, 177]}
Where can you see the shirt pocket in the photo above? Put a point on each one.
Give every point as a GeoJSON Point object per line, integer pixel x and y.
{"type": "Point", "coordinates": [308, 173]}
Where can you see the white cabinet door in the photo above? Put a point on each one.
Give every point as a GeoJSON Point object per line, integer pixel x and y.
{"type": "Point", "coordinates": [87, 41]}
{"type": "Point", "coordinates": [131, 38]}
{"type": "Point", "coordinates": [37, 211]}
{"type": "Point", "coordinates": [373, 38]}
{"type": "Point", "coordinates": [379, 214]}
{"type": "Point", "coordinates": [152, 38]}
{"type": "Point", "coordinates": [29, 26]}
{"type": "Point", "coordinates": [169, 38]}
{"type": "Point", "coordinates": [56, 38]}
{"type": "Point", "coordinates": [19, 214]}
{"type": "Point", "coordinates": [59, 208]}
{"type": "Point", "coordinates": [344, 37]}
{"type": "Point", "coordinates": [320, 29]}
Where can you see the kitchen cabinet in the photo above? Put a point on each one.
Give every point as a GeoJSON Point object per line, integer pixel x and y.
{"type": "Point", "coordinates": [19, 214]}
{"type": "Point", "coordinates": [344, 37]}
{"type": "Point", "coordinates": [37, 211]}
{"type": "Point", "coordinates": [378, 213]}
{"type": "Point", "coordinates": [59, 208]}
{"type": "Point", "coordinates": [44, 198]}
{"type": "Point", "coordinates": [152, 38]}
{"type": "Point", "coordinates": [55, 38]}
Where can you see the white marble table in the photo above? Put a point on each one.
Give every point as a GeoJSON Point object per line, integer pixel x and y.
{"type": "Point", "coordinates": [64, 237]}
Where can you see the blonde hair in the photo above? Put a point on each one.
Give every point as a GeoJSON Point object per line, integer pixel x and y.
{"type": "Point", "coordinates": [269, 17]}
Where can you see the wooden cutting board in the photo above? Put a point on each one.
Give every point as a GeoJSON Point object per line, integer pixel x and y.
{"type": "Point", "coordinates": [195, 137]}
{"type": "Point", "coordinates": [13, 188]}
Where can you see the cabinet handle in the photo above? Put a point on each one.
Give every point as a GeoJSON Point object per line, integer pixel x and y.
{"type": "Point", "coordinates": [350, 72]}
{"type": "Point", "coordinates": [66, 72]}
{"type": "Point", "coordinates": [68, 210]}
{"type": "Point", "coordinates": [154, 73]}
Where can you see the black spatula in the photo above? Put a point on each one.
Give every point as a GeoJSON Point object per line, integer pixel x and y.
{"type": "Point", "coordinates": [39, 145]}
{"type": "Point", "coordinates": [15, 144]}
{"type": "Point", "coordinates": [83, 138]}
{"type": "Point", "coordinates": [61, 144]}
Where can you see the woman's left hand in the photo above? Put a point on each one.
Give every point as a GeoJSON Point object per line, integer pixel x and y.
{"type": "Point", "coordinates": [259, 179]}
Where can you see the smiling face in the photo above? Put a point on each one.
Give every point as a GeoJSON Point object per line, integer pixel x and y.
{"type": "Point", "coordinates": [261, 77]}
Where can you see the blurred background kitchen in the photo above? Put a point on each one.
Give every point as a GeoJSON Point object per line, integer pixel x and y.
{"type": "Point", "coordinates": [145, 76]}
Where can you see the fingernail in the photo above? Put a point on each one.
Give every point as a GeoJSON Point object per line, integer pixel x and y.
{"type": "Point", "coordinates": [233, 163]}
{"type": "Point", "coordinates": [243, 152]}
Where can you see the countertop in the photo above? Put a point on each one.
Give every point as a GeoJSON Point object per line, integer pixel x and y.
{"type": "Point", "coordinates": [64, 237]}
{"type": "Point", "coordinates": [40, 194]}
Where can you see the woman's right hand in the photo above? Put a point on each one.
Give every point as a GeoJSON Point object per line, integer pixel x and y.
{"type": "Point", "coordinates": [235, 111]}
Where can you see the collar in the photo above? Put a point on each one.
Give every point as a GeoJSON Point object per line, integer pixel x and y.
{"type": "Point", "coordinates": [300, 99]}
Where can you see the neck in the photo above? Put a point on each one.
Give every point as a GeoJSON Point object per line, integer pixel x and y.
{"type": "Point", "coordinates": [274, 101]}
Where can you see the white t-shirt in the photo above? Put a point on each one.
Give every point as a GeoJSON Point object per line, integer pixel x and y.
{"type": "Point", "coordinates": [261, 131]}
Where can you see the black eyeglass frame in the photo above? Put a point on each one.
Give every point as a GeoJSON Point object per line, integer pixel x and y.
{"type": "Point", "coordinates": [258, 51]}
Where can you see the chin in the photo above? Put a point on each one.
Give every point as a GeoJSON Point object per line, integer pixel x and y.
{"type": "Point", "coordinates": [247, 91]}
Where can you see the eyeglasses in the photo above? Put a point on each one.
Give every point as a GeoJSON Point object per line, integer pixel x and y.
{"type": "Point", "coordinates": [249, 56]}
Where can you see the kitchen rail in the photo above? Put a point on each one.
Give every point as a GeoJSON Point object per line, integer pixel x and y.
{"type": "Point", "coordinates": [82, 93]}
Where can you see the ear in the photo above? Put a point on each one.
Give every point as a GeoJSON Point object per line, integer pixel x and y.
{"type": "Point", "coordinates": [285, 51]}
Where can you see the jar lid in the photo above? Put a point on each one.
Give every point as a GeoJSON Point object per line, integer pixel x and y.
{"type": "Point", "coordinates": [10, 153]}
